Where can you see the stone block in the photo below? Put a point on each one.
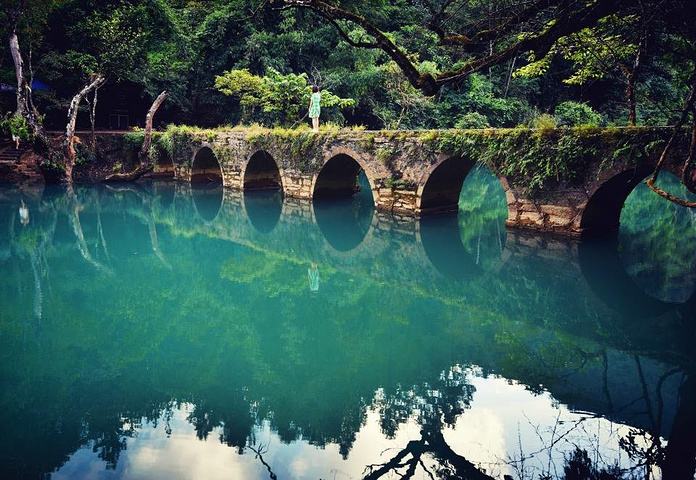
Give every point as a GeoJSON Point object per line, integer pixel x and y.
{"type": "Point", "coordinates": [558, 221]}
{"type": "Point", "coordinates": [558, 211]}
{"type": "Point", "coordinates": [531, 217]}
{"type": "Point", "coordinates": [528, 207]}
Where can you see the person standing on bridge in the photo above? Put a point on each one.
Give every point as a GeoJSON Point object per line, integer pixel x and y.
{"type": "Point", "coordinates": [315, 107]}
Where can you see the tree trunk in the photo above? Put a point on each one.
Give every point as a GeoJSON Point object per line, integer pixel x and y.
{"type": "Point", "coordinates": [147, 141]}
{"type": "Point", "coordinates": [508, 81]}
{"type": "Point", "coordinates": [631, 101]}
{"type": "Point", "coordinates": [68, 142]}
{"type": "Point", "coordinates": [92, 118]}
{"type": "Point", "coordinates": [631, 75]}
{"type": "Point", "coordinates": [128, 177]}
{"type": "Point", "coordinates": [24, 102]}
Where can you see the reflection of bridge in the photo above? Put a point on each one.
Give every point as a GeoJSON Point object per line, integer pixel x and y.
{"type": "Point", "coordinates": [339, 233]}
{"type": "Point", "coordinates": [411, 173]}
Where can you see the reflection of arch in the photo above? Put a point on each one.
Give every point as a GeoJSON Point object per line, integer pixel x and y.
{"type": "Point", "coordinates": [262, 173]}
{"type": "Point", "coordinates": [440, 238]}
{"type": "Point", "coordinates": [207, 200]}
{"type": "Point", "coordinates": [263, 209]}
{"type": "Point", "coordinates": [205, 167]}
{"type": "Point", "coordinates": [442, 185]}
{"type": "Point", "coordinates": [605, 274]}
{"type": "Point", "coordinates": [344, 222]}
{"type": "Point", "coordinates": [338, 177]}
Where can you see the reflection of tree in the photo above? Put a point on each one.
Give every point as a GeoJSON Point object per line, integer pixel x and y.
{"type": "Point", "coordinates": [74, 208]}
{"type": "Point", "coordinates": [147, 216]}
{"type": "Point", "coordinates": [109, 440]}
{"type": "Point", "coordinates": [33, 241]}
{"type": "Point", "coordinates": [435, 406]}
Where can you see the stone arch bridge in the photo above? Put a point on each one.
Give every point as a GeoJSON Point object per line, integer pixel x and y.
{"type": "Point", "coordinates": [571, 182]}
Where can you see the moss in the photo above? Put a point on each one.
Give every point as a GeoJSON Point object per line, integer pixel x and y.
{"type": "Point", "coordinates": [538, 159]}
{"type": "Point", "coordinates": [367, 142]}
{"type": "Point", "coordinates": [535, 160]}
{"type": "Point", "coordinates": [384, 155]}
{"type": "Point", "coordinates": [429, 137]}
{"type": "Point", "coordinates": [399, 184]}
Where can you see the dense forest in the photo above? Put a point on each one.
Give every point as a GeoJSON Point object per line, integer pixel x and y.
{"type": "Point", "coordinates": [402, 64]}
{"type": "Point", "coordinates": [250, 61]}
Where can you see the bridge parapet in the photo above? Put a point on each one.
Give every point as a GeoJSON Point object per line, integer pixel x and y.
{"type": "Point", "coordinates": [567, 181]}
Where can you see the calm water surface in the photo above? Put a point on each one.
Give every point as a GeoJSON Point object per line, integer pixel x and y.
{"type": "Point", "coordinates": [160, 331]}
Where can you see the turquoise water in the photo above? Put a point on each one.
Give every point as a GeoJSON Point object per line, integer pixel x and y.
{"type": "Point", "coordinates": [160, 331]}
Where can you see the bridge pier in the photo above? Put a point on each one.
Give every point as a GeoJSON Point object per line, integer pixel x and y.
{"type": "Point", "coordinates": [560, 213]}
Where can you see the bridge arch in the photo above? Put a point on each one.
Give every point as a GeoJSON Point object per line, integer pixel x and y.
{"type": "Point", "coordinates": [205, 167]}
{"type": "Point", "coordinates": [338, 177]}
{"type": "Point", "coordinates": [262, 173]}
{"type": "Point", "coordinates": [601, 214]}
{"type": "Point", "coordinates": [440, 187]}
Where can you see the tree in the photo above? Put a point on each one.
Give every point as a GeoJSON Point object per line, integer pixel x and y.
{"type": "Point", "coordinates": [614, 47]}
{"type": "Point", "coordinates": [545, 22]}
{"type": "Point", "coordinates": [69, 139]}
{"type": "Point", "coordinates": [274, 98]}
{"type": "Point", "coordinates": [30, 15]}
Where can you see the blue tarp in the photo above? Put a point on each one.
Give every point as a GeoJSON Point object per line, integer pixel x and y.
{"type": "Point", "coordinates": [36, 85]}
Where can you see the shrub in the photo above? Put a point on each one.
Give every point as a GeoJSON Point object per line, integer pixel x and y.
{"type": "Point", "coordinates": [544, 121]}
{"type": "Point", "coordinates": [12, 124]}
{"type": "Point", "coordinates": [472, 120]}
{"type": "Point", "coordinates": [576, 114]}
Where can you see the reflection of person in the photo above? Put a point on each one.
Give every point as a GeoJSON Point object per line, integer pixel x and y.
{"type": "Point", "coordinates": [15, 138]}
{"type": "Point", "coordinates": [313, 274]}
{"type": "Point", "coordinates": [315, 107]}
{"type": "Point", "coordinates": [23, 214]}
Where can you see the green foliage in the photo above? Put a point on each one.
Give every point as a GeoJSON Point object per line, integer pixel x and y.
{"type": "Point", "coordinates": [544, 121]}
{"type": "Point", "coordinates": [274, 99]}
{"type": "Point", "coordinates": [267, 60]}
{"type": "Point", "coordinates": [536, 159]}
{"type": "Point", "coordinates": [649, 226]}
{"type": "Point", "coordinates": [472, 120]}
{"type": "Point", "coordinates": [576, 114]}
{"type": "Point", "coordinates": [594, 52]}
{"type": "Point", "coordinates": [15, 125]}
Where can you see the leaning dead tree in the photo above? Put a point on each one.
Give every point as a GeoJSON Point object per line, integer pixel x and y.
{"type": "Point", "coordinates": [145, 165]}
{"type": "Point", "coordinates": [70, 154]}
{"type": "Point", "coordinates": [147, 140]}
